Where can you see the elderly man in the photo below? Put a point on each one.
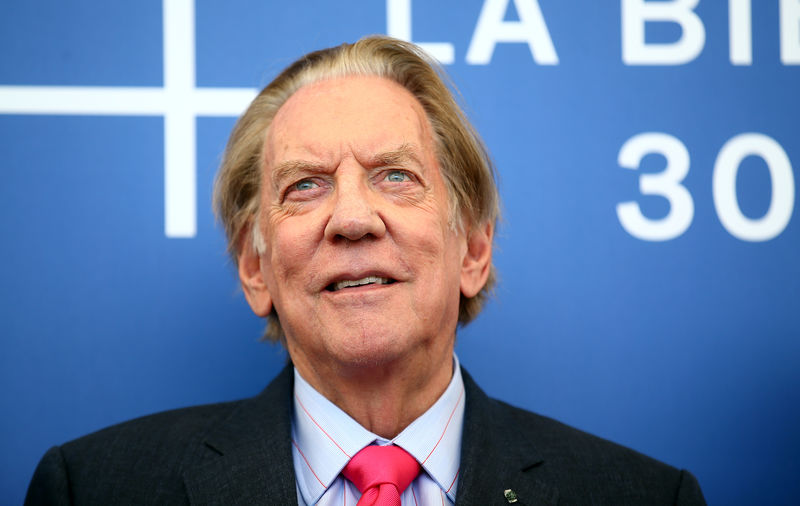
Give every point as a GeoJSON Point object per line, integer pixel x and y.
{"type": "Point", "coordinates": [360, 207]}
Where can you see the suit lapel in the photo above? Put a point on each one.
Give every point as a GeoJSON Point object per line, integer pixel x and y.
{"type": "Point", "coordinates": [248, 458]}
{"type": "Point", "coordinates": [497, 455]}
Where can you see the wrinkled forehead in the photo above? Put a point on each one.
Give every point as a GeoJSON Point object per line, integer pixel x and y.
{"type": "Point", "coordinates": [359, 116]}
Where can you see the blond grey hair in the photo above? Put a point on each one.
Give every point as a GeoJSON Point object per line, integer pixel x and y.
{"type": "Point", "coordinates": [467, 170]}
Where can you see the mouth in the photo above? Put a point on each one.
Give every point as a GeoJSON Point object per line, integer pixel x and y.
{"type": "Point", "coordinates": [348, 284]}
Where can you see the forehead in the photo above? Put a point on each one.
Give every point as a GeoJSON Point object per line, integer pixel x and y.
{"type": "Point", "coordinates": [355, 115]}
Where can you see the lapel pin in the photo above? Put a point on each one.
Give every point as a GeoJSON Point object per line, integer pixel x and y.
{"type": "Point", "coordinates": [511, 496]}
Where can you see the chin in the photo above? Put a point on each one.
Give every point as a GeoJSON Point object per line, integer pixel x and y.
{"type": "Point", "coordinates": [371, 346]}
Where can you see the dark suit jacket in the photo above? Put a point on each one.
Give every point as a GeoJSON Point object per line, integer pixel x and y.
{"type": "Point", "coordinates": [240, 453]}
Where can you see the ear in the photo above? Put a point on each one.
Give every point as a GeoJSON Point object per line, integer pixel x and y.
{"type": "Point", "coordinates": [478, 259]}
{"type": "Point", "coordinates": [251, 276]}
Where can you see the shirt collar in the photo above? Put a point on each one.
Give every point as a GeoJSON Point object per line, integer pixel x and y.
{"type": "Point", "coordinates": [326, 437]}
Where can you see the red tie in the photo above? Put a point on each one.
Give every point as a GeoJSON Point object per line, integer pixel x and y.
{"type": "Point", "coordinates": [381, 473]}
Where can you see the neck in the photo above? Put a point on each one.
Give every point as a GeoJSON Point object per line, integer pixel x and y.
{"type": "Point", "coordinates": [384, 398]}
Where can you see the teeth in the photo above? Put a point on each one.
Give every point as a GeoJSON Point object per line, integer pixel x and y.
{"type": "Point", "coordinates": [369, 280]}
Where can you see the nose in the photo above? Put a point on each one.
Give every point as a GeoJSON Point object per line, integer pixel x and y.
{"type": "Point", "coordinates": [355, 215]}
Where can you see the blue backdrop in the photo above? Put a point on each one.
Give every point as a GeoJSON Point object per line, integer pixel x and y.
{"type": "Point", "coordinates": [649, 279]}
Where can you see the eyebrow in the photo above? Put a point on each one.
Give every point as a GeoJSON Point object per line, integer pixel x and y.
{"type": "Point", "coordinates": [289, 168]}
{"type": "Point", "coordinates": [400, 156]}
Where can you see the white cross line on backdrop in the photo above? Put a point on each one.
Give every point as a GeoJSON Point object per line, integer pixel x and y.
{"type": "Point", "coordinates": [179, 101]}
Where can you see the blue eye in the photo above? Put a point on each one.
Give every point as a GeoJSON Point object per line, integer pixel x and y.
{"type": "Point", "coordinates": [397, 176]}
{"type": "Point", "coordinates": [305, 184]}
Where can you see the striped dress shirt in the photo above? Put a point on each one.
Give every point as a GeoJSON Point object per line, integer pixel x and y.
{"type": "Point", "coordinates": [324, 438]}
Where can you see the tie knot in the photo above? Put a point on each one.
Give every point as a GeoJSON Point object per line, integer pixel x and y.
{"type": "Point", "coordinates": [377, 465]}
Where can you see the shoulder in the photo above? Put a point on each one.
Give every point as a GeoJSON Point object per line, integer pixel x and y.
{"type": "Point", "coordinates": [160, 458]}
{"type": "Point", "coordinates": [164, 433]}
{"type": "Point", "coordinates": [573, 465]}
{"type": "Point", "coordinates": [559, 443]}
{"type": "Point", "coordinates": [589, 466]}
{"type": "Point", "coordinates": [138, 461]}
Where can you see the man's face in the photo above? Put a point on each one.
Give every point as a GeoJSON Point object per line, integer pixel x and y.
{"type": "Point", "coordinates": [361, 262]}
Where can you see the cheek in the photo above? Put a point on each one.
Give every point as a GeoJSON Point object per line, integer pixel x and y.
{"type": "Point", "coordinates": [435, 248]}
{"type": "Point", "coordinates": [454, 248]}
{"type": "Point", "coordinates": [292, 248]}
